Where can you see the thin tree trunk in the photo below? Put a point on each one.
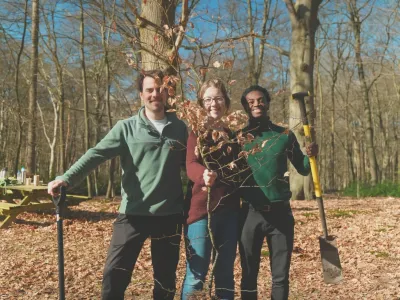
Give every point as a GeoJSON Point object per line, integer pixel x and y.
{"type": "Point", "coordinates": [332, 139]}
{"type": "Point", "coordinates": [31, 151]}
{"type": "Point", "coordinates": [396, 164]}
{"type": "Point", "coordinates": [84, 92]}
{"type": "Point", "coordinates": [2, 131]}
{"type": "Point", "coordinates": [52, 142]}
{"type": "Point", "coordinates": [255, 67]}
{"type": "Point", "coordinates": [67, 136]}
{"type": "Point", "coordinates": [110, 187]}
{"type": "Point", "coordinates": [386, 148]}
{"type": "Point", "coordinates": [17, 96]}
{"type": "Point", "coordinates": [368, 126]}
{"type": "Point", "coordinates": [97, 122]}
{"type": "Point", "coordinates": [320, 137]}
{"type": "Point", "coordinates": [363, 162]}
{"type": "Point", "coordinates": [61, 113]}
{"type": "Point", "coordinates": [252, 55]}
{"type": "Point", "coordinates": [357, 158]}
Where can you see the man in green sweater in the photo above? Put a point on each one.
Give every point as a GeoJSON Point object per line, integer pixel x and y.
{"type": "Point", "coordinates": [152, 148]}
{"type": "Point", "coordinates": [266, 211]}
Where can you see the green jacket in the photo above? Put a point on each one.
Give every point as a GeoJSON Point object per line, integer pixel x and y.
{"type": "Point", "coordinates": [151, 163]}
{"type": "Point", "coordinates": [270, 165]}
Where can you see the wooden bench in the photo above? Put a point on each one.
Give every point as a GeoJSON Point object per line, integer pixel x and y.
{"type": "Point", "coordinates": [30, 196]}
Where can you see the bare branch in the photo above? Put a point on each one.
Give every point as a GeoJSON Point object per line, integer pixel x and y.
{"type": "Point", "coordinates": [183, 23]}
{"type": "Point", "coordinates": [292, 11]}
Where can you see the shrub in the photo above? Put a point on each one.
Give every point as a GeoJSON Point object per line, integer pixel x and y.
{"type": "Point", "coordinates": [385, 189]}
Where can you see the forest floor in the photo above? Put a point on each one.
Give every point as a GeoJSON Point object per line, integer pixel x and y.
{"type": "Point", "coordinates": [367, 230]}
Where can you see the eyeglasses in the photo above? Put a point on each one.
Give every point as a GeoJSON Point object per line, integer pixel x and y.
{"type": "Point", "coordinates": [218, 100]}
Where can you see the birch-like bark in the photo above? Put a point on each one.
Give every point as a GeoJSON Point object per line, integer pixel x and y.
{"type": "Point", "coordinates": [304, 22]}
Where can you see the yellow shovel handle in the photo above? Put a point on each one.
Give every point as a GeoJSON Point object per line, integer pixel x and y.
{"type": "Point", "coordinates": [313, 164]}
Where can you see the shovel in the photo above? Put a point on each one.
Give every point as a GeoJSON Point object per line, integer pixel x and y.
{"type": "Point", "coordinates": [331, 267]}
{"type": "Point", "coordinates": [59, 203]}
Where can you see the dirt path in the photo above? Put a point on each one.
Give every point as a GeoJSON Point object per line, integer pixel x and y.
{"type": "Point", "coordinates": [368, 235]}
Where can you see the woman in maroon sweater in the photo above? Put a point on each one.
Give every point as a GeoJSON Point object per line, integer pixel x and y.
{"type": "Point", "coordinates": [212, 169]}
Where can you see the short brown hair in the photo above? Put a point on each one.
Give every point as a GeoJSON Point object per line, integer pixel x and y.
{"type": "Point", "coordinates": [216, 83]}
{"type": "Point", "coordinates": [151, 73]}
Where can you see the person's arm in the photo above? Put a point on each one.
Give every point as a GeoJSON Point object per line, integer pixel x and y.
{"type": "Point", "coordinates": [110, 146]}
{"type": "Point", "coordinates": [194, 165]}
{"type": "Point", "coordinates": [300, 161]}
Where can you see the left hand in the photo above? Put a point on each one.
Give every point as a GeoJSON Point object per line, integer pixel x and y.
{"type": "Point", "coordinates": [312, 149]}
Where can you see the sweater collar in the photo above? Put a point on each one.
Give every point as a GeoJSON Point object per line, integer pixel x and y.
{"type": "Point", "coordinates": [260, 124]}
{"type": "Point", "coordinates": [145, 121]}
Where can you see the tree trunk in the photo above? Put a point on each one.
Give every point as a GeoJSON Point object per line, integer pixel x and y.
{"type": "Point", "coordinates": [251, 45]}
{"type": "Point", "coordinates": [60, 78]}
{"type": "Point", "coordinates": [96, 125]}
{"type": "Point", "coordinates": [382, 128]}
{"type": "Point", "coordinates": [368, 127]}
{"type": "Point", "coordinates": [31, 151]}
{"type": "Point", "coordinates": [357, 158]}
{"type": "Point", "coordinates": [255, 66]}
{"type": "Point", "coordinates": [320, 137]}
{"type": "Point", "coordinates": [396, 156]}
{"type": "Point", "coordinates": [17, 96]}
{"type": "Point", "coordinates": [84, 92]}
{"type": "Point", "coordinates": [2, 131]}
{"type": "Point", "coordinates": [110, 187]}
{"type": "Point", "coordinates": [304, 21]}
{"type": "Point", "coordinates": [157, 49]}
{"type": "Point", "coordinates": [67, 136]}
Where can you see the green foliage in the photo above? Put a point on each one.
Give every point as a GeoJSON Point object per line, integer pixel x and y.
{"type": "Point", "coordinates": [265, 253]}
{"type": "Point", "coordinates": [380, 254]}
{"type": "Point", "coordinates": [341, 213]}
{"type": "Point", "coordinates": [385, 189]}
{"type": "Point", "coordinates": [309, 215]}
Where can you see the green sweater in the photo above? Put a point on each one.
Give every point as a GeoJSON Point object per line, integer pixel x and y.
{"type": "Point", "coordinates": [270, 165]}
{"type": "Point", "coordinates": [150, 161]}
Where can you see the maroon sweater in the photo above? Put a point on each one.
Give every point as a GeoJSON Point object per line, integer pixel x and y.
{"type": "Point", "coordinates": [224, 192]}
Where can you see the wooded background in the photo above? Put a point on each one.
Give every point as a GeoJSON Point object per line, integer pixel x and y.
{"type": "Point", "coordinates": [69, 69]}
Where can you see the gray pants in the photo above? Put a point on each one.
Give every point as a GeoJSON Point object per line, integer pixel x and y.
{"type": "Point", "coordinates": [277, 226]}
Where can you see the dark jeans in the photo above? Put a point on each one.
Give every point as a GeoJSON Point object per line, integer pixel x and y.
{"type": "Point", "coordinates": [130, 232]}
{"type": "Point", "coordinates": [277, 226]}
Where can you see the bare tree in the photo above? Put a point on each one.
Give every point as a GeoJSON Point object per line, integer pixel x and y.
{"type": "Point", "coordinates": [304, 20]}
{"type": "Point", "coordinates": [255, 66]}
{"type": "Point", "coordinates": [17, 90]}
{"type": "Point", "coordinates": [84, 90]}
{"type": "Point", "coordinates": [31, 155]}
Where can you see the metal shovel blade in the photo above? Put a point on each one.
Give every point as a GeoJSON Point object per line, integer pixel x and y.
{"type": "Point", "coordinates": [331, 267]}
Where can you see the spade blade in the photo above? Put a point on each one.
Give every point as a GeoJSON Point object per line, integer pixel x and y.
{"type": "Point", "coordinates": [330, 260]}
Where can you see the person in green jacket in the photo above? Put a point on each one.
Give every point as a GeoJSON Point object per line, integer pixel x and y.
{"type": "Point", "coordinates": [266, 211]}
{"type": "Point", "coordinates": [152, 149]}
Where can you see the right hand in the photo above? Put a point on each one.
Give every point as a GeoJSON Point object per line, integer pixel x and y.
{"type": "Point", "coordinates": [209, 177]}
{"type": "Point", "coordinates": [53, 188]}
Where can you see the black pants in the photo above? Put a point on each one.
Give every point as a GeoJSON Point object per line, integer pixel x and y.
{"type": "Point", "coordinates": [277, 226]}
{"type": "Point", "coordinates": [130, 232]}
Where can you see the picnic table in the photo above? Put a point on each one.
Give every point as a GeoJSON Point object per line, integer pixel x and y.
{"type": "Point", "coordinates": [30, 196]}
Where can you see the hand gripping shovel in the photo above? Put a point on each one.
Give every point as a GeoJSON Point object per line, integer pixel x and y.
{"type": "Point", "coordinates": [331, 267]}
{"type": "Point", "coordinates": [59, 202]}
